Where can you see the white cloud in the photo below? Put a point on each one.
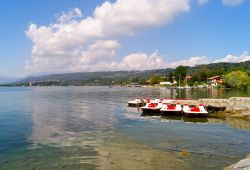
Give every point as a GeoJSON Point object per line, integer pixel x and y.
{"type": "Point", "coordinates": [134, 61]}
{"type": "Point", "coordinates": [225, 2]}
{"type": "Point", "coordinates": [202, 2]}
{"type": "Point", "coordinates": [130, 16]}
{"type": "Point", "coordinates": [76, 60]}
{"type": "Point", "coordinates": [198, 60]}
{"type": "Point", "coordinates": [192, 61]}
{"type": "Point", "coordinates": [228, 59]}
{"type": "Point", "coordinates": [98, 51]}
{"type": "Point", "coordinates": [245, 56]}
{"type": "Point", "coordinates": [74, 43]}
{"type": "Point", "coordinates": [234, 59]}
{"type": "Point", "coordinates": [71, 15]}
{"type": "Point", "coordinates": [232, 2]}
{"type": "Point", "coordinates": [142, 61]}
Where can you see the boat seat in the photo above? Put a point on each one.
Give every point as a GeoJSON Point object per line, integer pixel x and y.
{"type": "Point", "coordinates": [171, 107]}
{"type": "Point", "coordinates": [152, 105]}
{"type": "Point", "coordinates": [196, 109]}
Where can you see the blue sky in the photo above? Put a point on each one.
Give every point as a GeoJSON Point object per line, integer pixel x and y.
{"type": "Point", "coordinates": [196, 33]}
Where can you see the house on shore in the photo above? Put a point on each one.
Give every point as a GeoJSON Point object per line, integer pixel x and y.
{"type": "Point", "coordinates": [188, 77]}
{"type": "Point", "coordinates": [215, 80]}
{"type": "Point", "coordinates": [134, 85]}
{"type": "Point", "coordinates": [168, 83]}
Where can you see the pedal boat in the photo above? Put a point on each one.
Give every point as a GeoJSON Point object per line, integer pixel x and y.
{"type": "Point", "coordinates": [167, 101]}
{"type": "Point", "coordinates": [194, 111]}
{"type": "Point", "coordinates": [153, 107]}
{"type": "Point", "coordinates": [171, 109]}
{"type": "Point", "coordinates": [136, 103]}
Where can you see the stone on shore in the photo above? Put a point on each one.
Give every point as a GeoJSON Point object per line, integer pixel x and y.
{"type": "Point", "coordinates": [243, 164]}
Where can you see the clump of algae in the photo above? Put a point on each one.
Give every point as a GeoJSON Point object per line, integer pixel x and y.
{"type": "Point", "coordinates": [184, 153]}
{"type": "Point", "coordinates": [234, 114]}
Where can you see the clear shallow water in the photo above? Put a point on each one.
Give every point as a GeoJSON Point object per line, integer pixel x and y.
{"type": "Point", "coordinates": [92, 128]}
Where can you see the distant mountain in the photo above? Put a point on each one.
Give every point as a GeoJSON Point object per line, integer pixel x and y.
{"type": "Point", "coordinates": [7, 80]}
{"type": "Point", "coordinates": [225, 66]}
{"type": "Point", "coordinates": [219, 68]}
{"type": "Point", "coordinates": [118, 77]}
{"type": "Point", "coordinates": [93, 78]}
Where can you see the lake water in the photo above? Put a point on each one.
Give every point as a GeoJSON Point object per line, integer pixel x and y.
{"type": "Point", "coordinates": [92, 128]}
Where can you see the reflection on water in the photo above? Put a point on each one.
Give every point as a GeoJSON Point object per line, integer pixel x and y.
{"type": "Point", "coordinates": [238, 123]}
{"type": "Point", "coordinates": [195, 120]}
{"type": "Point", "coordinates": [92, 128]}
{"type": "Point", "coordinates": [174, 118]}
{"type": "Point", "coordinates": [210, 93]}
{"type": "Point", "coordinates": [232, 122]}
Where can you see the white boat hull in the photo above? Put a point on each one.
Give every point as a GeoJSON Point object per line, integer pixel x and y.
{"type": "Point", "coordinates": [198, 111]}
{"type": "Point", "coordinates": [152, 108]}
{"type": "Point", "coordinates": [136, 103]}
{"type": "Point", "coordinates": [171, 109]}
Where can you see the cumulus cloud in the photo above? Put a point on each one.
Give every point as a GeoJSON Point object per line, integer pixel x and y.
{"type": "Point", "coordinates": [134, 61]}
{"type": "Point", "coordinates": [71, 15]}
{"type": "Point", "coordinates": [232, 2]}
{"type": "Point", "coordinates": [234, 59]}
{"type": "Point", "coordinates": [143, 61]}
{"type": "Point", "coordinates": [192, 61]}
{"type": "Point", "coordinates": [198, 60]}
{"type": "Point", "coordinates": [228, 59]}
{"type": "Point", "coordinates": [74, 43]}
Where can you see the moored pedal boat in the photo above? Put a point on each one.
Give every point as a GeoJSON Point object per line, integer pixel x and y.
{"type": "Point", "coordinates": [155, 101]}
{"type": "Point", "coordinates": [171, 109]}
{"type": "Point", "coordinates": [194, 111]}
{"type": "Point", "coordinates": [167, 100]}
{"type": "Point", "coordinates": [152, 107]}
{"type": "Point", "coordinates": [136, 103]}
{"type": "Point", "coordinates": [146, 100]}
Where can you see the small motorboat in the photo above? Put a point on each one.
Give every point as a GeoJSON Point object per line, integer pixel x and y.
{"type": "Point", "coordinates": [194, 111]}
{"type": "Point", "coordinates": [153, 107]}
{"type": "Point", "coordinates": [136, 103]}
{"type": "Point", "coordinates": [171, 109]}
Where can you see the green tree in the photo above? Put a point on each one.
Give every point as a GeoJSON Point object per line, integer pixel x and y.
{"type": "Point", "coordinates": [134, 80]}
{"type": "Point", "coordinates": [171, 77]}
{"type": "Point", "coordinates": [180, 71]}
{"type": "Point", "coordinates": [155, 79]}
{"type": "Point", "coordinates": [248, 70]}
{"type": "Point", "coordinates": [238, 79]}
{"type": "Point", "coordinates": [203, 76]}
{"type": "Point", "coordinates": [143, 81]}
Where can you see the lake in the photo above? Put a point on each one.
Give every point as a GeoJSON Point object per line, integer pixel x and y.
{"type": "Point", "coordinates": [92, 128]}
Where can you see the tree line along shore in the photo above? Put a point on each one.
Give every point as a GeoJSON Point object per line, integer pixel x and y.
{"type": "Point", "coordinates": [230, 75]}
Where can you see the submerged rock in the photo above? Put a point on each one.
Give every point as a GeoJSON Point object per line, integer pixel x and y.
{"type": "Point", "coordinates": [243, 164]}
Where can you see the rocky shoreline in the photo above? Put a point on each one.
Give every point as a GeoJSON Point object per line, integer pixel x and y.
{"type": "Point", "coordinates": [236, 107]}
{"type": "Point", "coordinates": [243, 164]}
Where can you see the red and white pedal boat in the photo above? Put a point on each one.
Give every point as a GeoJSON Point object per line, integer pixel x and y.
{"type": "Point", "coordinates": [171, 109]}
{"type": "Point", "coordinates": [136, 103]}
{"type": "Point", "coordinates": [152, 107]}
{"type": "Point", "coordinates": [194, 111]}
{"type": "Point", "coordinates": [167, 100]}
